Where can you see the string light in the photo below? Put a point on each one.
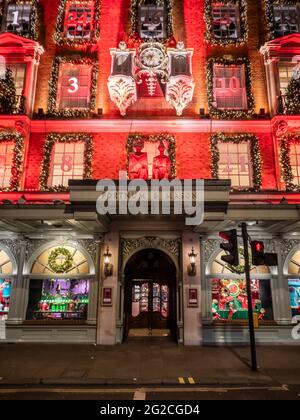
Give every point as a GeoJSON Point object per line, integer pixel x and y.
{"type": "Point", "coordinates": [17, 164]}
{"type": "Point", "coordinates": [238, 139]}
{"type": "Point", "coordinates": [285, 160]}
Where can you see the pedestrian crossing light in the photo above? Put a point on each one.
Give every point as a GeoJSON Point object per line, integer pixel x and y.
{"type": "Point", "coordinates": [230, 246]}
{"type": "Point", "coordinates": [260, 257]}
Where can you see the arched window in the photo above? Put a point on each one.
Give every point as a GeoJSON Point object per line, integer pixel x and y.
{"type": "Point", "coordinates": [7, 271]}
{"type": "Point", "coordinates": [60, 284]}
{"type": "Point", "coordinates": [228, 291]}
{"type": "Point", "coordinates": [293, 271]}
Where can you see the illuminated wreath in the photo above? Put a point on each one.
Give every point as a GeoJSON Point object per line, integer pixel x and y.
{"type": "Point", "coordinates": [63, 266]}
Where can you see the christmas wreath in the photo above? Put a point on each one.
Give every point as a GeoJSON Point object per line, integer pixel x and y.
{"type": "Point", "coordinates": [66, 260]}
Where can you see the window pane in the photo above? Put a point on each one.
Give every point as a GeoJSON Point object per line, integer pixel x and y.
{"type": "Point", "coordinates": [6, 159]}
{"type": "Point", "coordinates": [58, 299]}
{"type": "Point", "coordinates": [226, 21]}
{"type": "Point", "coordinates": [294, 288]}
{"type": "Point", "coordinates": [229, 87]}
{"type": "Point", "coordinates": [229, 300]}
{"type": "Point", "coordinates": [295, 162]}
{"type": "Point", "coordinates": [152, 21]}
{"type": "Point", "coordinates": [18, 19]}
{"type": "Point", "coordinates": [287, 19]}
{"type": "Point", "coordinates": [79, 20]}
{"type": "Point", "coordinates": [5, 293]}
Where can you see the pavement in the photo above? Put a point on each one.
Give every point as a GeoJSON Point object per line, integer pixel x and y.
{"type": "Point", "coordinates": [146, 363]}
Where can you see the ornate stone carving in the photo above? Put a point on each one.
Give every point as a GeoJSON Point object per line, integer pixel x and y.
{"type": "Point", "coordinates": [122, 91]}
{"type": "Point", "coordinates": [180, 91]}
{"type": "Point", "coordinates": [14, 245]}
{"type": "Point", "coordinates": [210, 245]}
{"type": "Point", "coordinates": [129, 246]}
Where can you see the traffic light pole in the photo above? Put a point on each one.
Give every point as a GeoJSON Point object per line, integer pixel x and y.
{"type": "Point", "coordinates": [249, 298]}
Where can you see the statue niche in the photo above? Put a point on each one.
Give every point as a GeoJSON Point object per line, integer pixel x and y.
{"type": "Point", "coordinates": [138, 162]}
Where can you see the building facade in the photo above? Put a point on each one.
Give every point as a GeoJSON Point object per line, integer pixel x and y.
{"type": "Point", "coordinates": [158, 89]}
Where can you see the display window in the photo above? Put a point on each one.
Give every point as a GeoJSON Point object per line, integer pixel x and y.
{"type": "Point", "coordinates": [226, 21]}
{"type": "Point", "coordinates": [58, 299]}
{"type": "Point", "coordinates": [5, 293]}
{"type": "Point", "coordinates": [294, 289]}
{"type": "Point", "coordinates": [229, 87]}
{"type": "Point", "coordinates": [79, 20]}
{"type": "Point", "coordinates": [18, 18]}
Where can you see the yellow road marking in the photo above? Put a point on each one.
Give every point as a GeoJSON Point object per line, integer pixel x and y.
{"type": "Point", "coordinates": [181, 380]}
{"type": "Point", "coordinates": [191, 381]}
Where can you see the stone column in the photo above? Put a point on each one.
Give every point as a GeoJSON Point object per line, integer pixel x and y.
{"type": "Point", "coordinates": [94, 287]}
{"type": "Point", "coordinates": [19, 293]}
{"type": "Point", "coordinates": [272, 74]}
{"type": "Point", "coordinates": [205, 288]}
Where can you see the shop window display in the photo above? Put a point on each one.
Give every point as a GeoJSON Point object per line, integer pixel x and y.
{"type": "Point", "coordinates": [229, 300]}
{"type": "Point", "coordinates": [59, 299]}
{"type": "Point", "coordinates": [294, 288]}
{"type": "Point", "coordinates": [5, 293]}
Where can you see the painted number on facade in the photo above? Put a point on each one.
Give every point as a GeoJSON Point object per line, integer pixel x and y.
{"type": "Point", "coordinates": [73, 85]}
{"type": "Point", "coordinates": [66, 163]}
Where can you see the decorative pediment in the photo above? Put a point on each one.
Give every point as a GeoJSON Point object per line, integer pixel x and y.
{"type": "Point", "coordinates": [288, 44]}
{"type": "Point", "coordinates": [19, 44]}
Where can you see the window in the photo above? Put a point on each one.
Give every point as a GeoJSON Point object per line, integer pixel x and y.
{"type": "Point", "coordinates": [6, 163]}
{"type": "Point", "coordinates": [67, 162]}
{"type": "Point", "coordinates": [234, 163]}
{"type": "Point", "coordinates": [229, 87]}
{"type": "Point", "coordinates": [6, 269]}
{"type": "Point", "coordinates": [74, 86]}
{"type": "Point", "coordinates": [228, 292]}
{"type": "Point", "coordinates": [295, 161]}
{"type": "Point", "coordinates": [286, 19]}
{"type": "Point", "coordinates": [152, 21]}
{"type": "Point", "coordinates": [79, 18]}
{"type": "Point", "coordinates": [226, 21]}
{"type": "Point", "coordinates": [294, 283]}
{"type": "Point", "coordinates": [18, 18]}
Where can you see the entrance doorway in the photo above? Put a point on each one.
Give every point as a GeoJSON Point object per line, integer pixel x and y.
{"type": "Point", "coordinates": [150, 295]}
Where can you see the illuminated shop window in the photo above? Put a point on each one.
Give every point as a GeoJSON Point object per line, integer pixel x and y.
{"type": "Point", "coordinates": [74, 86]}
{"type": "Point", "coordinates": [294, 283]}
{"type": "Point", "coordinates": [226, 21]}
{"type": "Point", "coordinates": [228, 292]}
{"type": "Point", "coordinates": [235, 163]}
{"type": "Point", "coordinates": [150, 297]}
{"type": "Point", "coordinates": [18, 18]}
{"type": "Point", "coordinates": [79, 18]}
{"type": "Point", "coordinates": [6, 269]}
{"type": "Point", "coordinates": [6, 163]}
{"type": "Point", "coordinates": [152, 21]}
{"type": "Point", "coordinates": [295, 162]}
{"type": "Point", "coordinates": [67, 162]}
{"type": "Point", "coordinates": [229, 87]}
{"type": "Point", "coordinates": [286, 19]}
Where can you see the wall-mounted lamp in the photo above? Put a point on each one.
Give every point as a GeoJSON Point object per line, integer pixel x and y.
{"type": "Point", "coordinates": [192, 271]}
{"type": "Point", "coordinates": [108, 267]}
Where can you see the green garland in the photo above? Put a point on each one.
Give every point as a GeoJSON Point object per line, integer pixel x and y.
{"type": "Point", "coordinates": [71, 113]}
{"type": "Point", "coordinates": [285, 160]}
{"type": "Point", "coordinates": [154, 138]}
{"type": "Point", "coordinates": [237, 139]}
{"type": "Point", "coordinates": [65, 266]}
{"type": "Point", "coordinates": [58, 35]}
{"type": "Point", "coordinates": [65, 138]}
{"type": "Point", "coordinates": [229, 113]}
{"type": "Point", "coordinates": [134, 11]}
{"type": "Point", "coordinates": [17, 165]}
{"type": "Point", "coordinates": [269, 12]}
{"type": "Point", "coordinates": [208, 14]}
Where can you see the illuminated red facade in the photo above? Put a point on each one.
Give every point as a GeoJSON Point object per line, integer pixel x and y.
{"type": "Point", "coordinates": [224, 104]}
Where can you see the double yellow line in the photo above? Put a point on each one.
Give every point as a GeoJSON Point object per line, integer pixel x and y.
{"type": "Point", "coordinates": [183, 381]}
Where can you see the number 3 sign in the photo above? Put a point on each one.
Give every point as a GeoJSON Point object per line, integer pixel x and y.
{"type": "Point", "coordinates": [73, 85]}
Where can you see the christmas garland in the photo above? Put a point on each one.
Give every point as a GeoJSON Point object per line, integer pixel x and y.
{"type": "Point", "coordinates": [58, 35]}
{"type": "Point", "coordinates": [64, 266]}
{"type": "Point", "coordinates": [208, 14]}
{"type": "Point", "coordinates": [17, 164]}
{"type": "Point", "coordinates": [270, 18]}
{"type": "Point", "coordinates": [237, 139]}
{"type": "Point", "coordinates": [33, 21]}
{"type": "Point", "coordinates": [229, 113]}
{"type": "Point", "coordinates": [65, 138]}
{"type": "Point", "coordinates": [154, 139]}
{"type": "Point", "coordinates": [134, 11]}
{"type": "Point", "coordinates": [285, 160]}
{"type": "Point", "coordinates": [52, 100]}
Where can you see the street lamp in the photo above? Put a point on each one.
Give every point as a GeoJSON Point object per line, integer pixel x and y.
{"type": "Point", "coordinates": [192, 271]}
{"type": "Point", "coordinates": [108, 267]}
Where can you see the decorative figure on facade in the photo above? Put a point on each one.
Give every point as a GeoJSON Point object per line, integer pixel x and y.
{"type": "Point", "coordinates": [138, 162]}
{"type": "Point", "coordinates": [161, 164]}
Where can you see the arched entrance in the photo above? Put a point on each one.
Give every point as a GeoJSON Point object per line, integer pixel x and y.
{"type": "Point", "coordinates": [150, 295]}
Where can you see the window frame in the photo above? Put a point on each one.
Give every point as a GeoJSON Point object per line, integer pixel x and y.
{"type": "Point", "coordinates": [285, 161]}
{"type": "Point", "coordinates": [47, 162]}
{"type": "Point", "coordinates": [33, 22]}
{"type": "Point", "coordinates": [59, 35]}
{"type": "Point", "coordinates": [53, 108]}
{"type": "Point", "coordinates": [255, 157]}
{"type": "Point", "coordinates": [270, 16]}
{"type": "Point", "coordinates": [17, 162]}
{"type": "Point", "coordinates": [241, 6]}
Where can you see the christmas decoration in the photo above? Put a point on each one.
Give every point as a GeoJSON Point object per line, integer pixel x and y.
{"type": "Point", "coordinates": [65, 260]}
{"type": "Point", "coordinates": [52, 100]}
{"type": "Point", "coordinates": [292, 95]}
{"type": "Point", "coordinates": [155, 138]}
{"type": "Point", "coordinates": [243, 27]}
{"type": "Point", "coordinates": [285, 160]}
{"type": "Point", "coordinates": [229, 113]}
{"type": "Point", "coordinates": [134, 11]}
{"type": "Point", "coordinates": [270, 18]}
{"type": "Point", "coordinates": [237, 139]}
{"type": "Point", "coordinates": [59, 37]}
{"type": "Point", "coordinates": [17, 164]}
{"type": "Point", "coordinates": [31, 31]}
{"type": "Point", "coordinates": [8, 96]}
{"type": "Point", "coordinates": [65, 138]}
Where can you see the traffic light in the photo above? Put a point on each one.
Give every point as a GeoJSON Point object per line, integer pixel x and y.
{"type": "Point", "coordinates": [260, 257]}
{"type": "Point", "coordinates": [231, 247]}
